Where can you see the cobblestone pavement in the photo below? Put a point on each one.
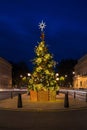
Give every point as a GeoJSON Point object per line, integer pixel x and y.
{"type": "Point", "coordinates": [11, 104]}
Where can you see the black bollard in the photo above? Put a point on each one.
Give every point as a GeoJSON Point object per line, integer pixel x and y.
{"type": "Point", "coordinates": [57, 92]}
{"type": "Point", "coordinates": [19, 101]}
{"type": "Point", "coordinates": [66, 101]}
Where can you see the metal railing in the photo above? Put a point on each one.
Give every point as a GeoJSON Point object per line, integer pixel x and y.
{"type": "Point", "coordinates": [77, 94]}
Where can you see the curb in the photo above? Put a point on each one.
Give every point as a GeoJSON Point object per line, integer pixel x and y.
{"type": "Point", "coordinates": [43, 110]}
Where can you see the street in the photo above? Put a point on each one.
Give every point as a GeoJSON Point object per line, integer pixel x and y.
{"type": "Point", "coordinates": [42, 120]}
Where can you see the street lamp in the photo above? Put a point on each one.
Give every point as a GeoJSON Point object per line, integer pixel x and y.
{"type": "Point", "coordinates": [57, 77]}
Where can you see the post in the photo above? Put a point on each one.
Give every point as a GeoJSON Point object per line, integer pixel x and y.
{"type": "Point", "coordinates": [66, 101]}
{"type": "Point", "coordinates": [19, 101]}
{"type": "Point", "coordinates": [57, 92]}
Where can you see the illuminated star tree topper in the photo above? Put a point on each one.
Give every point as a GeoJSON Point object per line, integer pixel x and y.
{"type": "Point", "coordinates": [42, 25]}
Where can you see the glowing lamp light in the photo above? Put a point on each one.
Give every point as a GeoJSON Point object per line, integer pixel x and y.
{"type": "Point", "coordinates": [65, 75]}
{"type": "Point", "coordinates": [57, 79]}
{"type": "Point", "coordinates": [29, 74]}
{"type": "Point", "coordinates": [21, 76]}
{"type": "Point", "coordinates": [73, 72]}
{"type": "Point", "coordinates": [57, 74]}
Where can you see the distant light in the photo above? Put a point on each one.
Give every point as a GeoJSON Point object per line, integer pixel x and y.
{"type": "Point", "coordinates": [65, 75]}
{"type": "Point", "coordinates": [57, 74]}
{"type": "Point", "coordinates": [1, 89]}
{"type": "Point", "coordinates": [21, 76]}
{"type": "Point", "coordinates": [57, 79]}
{"type": "Point", "coordinates": [73, 72]}
{"type": "Point", "coordinates": [29, 74]}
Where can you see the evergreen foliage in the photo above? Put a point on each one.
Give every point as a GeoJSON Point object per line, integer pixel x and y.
{"type": "Point", "coordinates": [43, 75]}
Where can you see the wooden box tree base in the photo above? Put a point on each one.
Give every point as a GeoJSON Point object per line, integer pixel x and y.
{"type": "Point", "coordinates": [33, 95]}
{"type": "Point", "coordinates": [52, 95]}
{"type": "Point", "coordinates": [42, 95]}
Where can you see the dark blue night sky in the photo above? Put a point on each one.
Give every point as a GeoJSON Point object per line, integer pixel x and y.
{"type": "Point", "coordinates": [66, 30]}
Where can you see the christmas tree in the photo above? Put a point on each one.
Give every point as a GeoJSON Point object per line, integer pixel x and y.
{"type": "Point", "coordinates": [43, 75]}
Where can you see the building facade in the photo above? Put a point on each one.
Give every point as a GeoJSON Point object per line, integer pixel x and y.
{"type": "Point", "coordinates": [5, 74]}
{"type": "Point", "coordinates": [80, 78]}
